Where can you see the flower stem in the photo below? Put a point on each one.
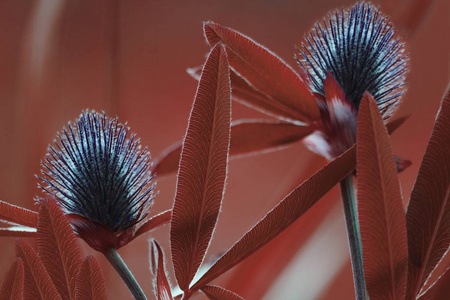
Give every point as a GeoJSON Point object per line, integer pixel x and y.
{"type": "Point", "coordinates": [119, 265]}
{"type": "Point", "coordinates": [354, 237]}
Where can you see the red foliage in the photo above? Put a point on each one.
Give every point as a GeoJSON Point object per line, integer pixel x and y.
{"type": "Point", "coordinates": [398, 259]}
{"type": "Point", "coordinates": [283, 215]}
{"type": "Point", "coordinates": [37, 284]}
{"type": "Point", "coordinates": [287, 93]}
{"type": "Point", "coordinates": [162, 287]}
{"type": "Point", "coordinates": [247, 137]}
{"type": "Point", "coordinates": [58, 248]}
{"type": "Point", "coordinates": [203, 169]}
{"type": "Point", "coordinates": [218, 293]}
{"type": "Point", "coordinates": [428, 222]}
{"type": "Point", "coordinates": [89, 282]}
{"type": "Point", "coordinates": [380, 208]}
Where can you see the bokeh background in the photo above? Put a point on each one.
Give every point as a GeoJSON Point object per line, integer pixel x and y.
{"type": "Point", "coordinates": [129, 58]}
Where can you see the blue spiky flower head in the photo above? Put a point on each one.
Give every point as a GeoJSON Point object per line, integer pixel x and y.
{"type": "Point", "coordinates": [359, 51]}
{"type": "Point", "coordinates": [101, 177]}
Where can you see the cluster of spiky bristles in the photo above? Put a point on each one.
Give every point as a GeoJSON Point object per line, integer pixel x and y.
{"type": "Point", "coordinates": [361, 49]}
{"type": "Point", "coordinates": [95, 171]}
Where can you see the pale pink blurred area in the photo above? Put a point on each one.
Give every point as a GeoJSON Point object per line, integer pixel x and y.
{"type": "Point", "coordinates": [129, 58]}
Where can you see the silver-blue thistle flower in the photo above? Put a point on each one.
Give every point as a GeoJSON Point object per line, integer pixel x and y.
{"type": "Point", "coordinates": [361, 49]}
{"type": "Point", "coordinates": [97, 171]}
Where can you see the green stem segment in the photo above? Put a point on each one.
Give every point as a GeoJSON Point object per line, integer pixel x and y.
{"type": "Point", "coordinates": [121, 268]}
{"type": "Point", "coordinates": [354, 237]}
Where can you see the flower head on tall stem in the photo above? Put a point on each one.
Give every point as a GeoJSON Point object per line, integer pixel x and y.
{"type": "Point", "coordinates": [100, 176]}
{"type": "Point", "coordinates": [347, 54]}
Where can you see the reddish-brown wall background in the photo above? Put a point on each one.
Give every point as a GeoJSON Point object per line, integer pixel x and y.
{"type": "Point", "coordinates": [129, 58]}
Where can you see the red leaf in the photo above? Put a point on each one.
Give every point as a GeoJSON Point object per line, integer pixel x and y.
{"type": "Point", "coordinates": [90, 283]}
{"type": "Point", "coordinates": [380, 207]}
{"type": "Point", "coordinates": [250, 278]}
{"type": "Point", "coordinates": [162, 287]}
{"type": "Point", "coordinates": [58, 248]}
{"type": "Point", "coordinates": [283, 215]}
{"type": "Point", "coordinates": [17, 290]}
{"type": "Point", "coordinates": [266, 72]}
{"type": "Point", "coordinates": [219, 293]}
{"type": "Point", "coordinates": [245, 93]}
{"type": "Point", "coordinates": [203, 168]}
{"type": "Point", "coordinates": [18, 231]}
{"type": "Point", "coordinates": [37, 282]}
{"type": "Point", "coordinates": [17, 215]}
{"type": "Point", "coordinates": [168, 160]}
{"type": "Point", "coordinates": [428, 214]}
{"type": "Point", "coordinates": [247, 136]}
{"type": "Point", "coordinates": [6, 289]}
{"type": "Point", "coordinates": [440, 290]}
{"type": "Point", "coordinates": [256, 135]}
{"type": "Point", "coordinates": [441, 269]}
{"type": "Point", "coordinates": [154, 222]}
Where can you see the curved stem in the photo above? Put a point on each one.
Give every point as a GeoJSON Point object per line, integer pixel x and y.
{"type": "Point", "coordinates": [354, 237]}
{"type": "Point", "coordinates": [121, 268]}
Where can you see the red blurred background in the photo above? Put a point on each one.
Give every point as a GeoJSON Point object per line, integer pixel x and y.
{"type": "Point", "coordinates": [129, 58]}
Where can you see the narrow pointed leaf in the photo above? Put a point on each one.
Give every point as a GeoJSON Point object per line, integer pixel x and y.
{"type": "Point", "coordinates": [203, 169]}
{"type": "Point", "coordinates": [247, 137]}
{"type": "Point", "coordinates": [58, 248]}
{"type": "Point", "coordinates": [428, 214]}
{"type": "Point", "coordinates": [283, 215]}
{"type": "Point", "coordinates": [266, 72]}
{"type": "Point", "coordinates": [380, 208]}
{"type": "Point", "coordinates": [162, 287]}
{"type": "Point", "coordinates": [90, 283]}
{"type": "Point", "coordinates": [219, 293]}
{"type": "Point", "coordinates": [17, 215]}
{"type": "Point", "coordinates": [17, 290]}
{"type": "Point", "coordinates": [37, 282]}
{"type": "Point", "coordinates": [154, 222]}
{"type": "Point", "coordinates": [18, 231]}
{"type": "Point", "coordinates": [8, 281]}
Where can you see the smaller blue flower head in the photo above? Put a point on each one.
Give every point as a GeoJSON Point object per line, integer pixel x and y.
{"type": "Point", "coordinates": [95, 170]}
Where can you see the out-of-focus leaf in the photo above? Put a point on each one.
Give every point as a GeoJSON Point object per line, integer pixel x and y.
{"type": "Point", "coordinates": [162, 287]}
{"type": "Point", "coordinates": [395, 124]}
{"type": "Point", "coordinates": [218, 293]}
{"type": "Point", "coordinates": [18, 231]}
{"type": "Point", "coordinates": [37, 282]}
{"type": "Point", "coordinates": [284, 214]}
{"type": "Point", "coordinates": [58, 248]}
{"type": "Point", "coordinates": [247, 137]}
{"type": "Point", "coordinates": [90, 283]}
{"type": "Point", "coordinates": [245, 93]}
{"type": "Point", "coordinates": [168, 160]}
{"type": "Point", "coordinates": [266, 72]}
{"type": "Point", "coordinates": [203, 169]}
{"type": "Point", "coordinates": [428, 214]}
{"type": "Point", "coordinates": [380, 208]}
{"type": "Point", "coordinates": [17, 215]}
{"type": "Point", "coordinates": [407, 17]}
{"type": "Point", "coordinates": [257, 135]}
{"type": "Point", "coordinates": [154, 222]}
